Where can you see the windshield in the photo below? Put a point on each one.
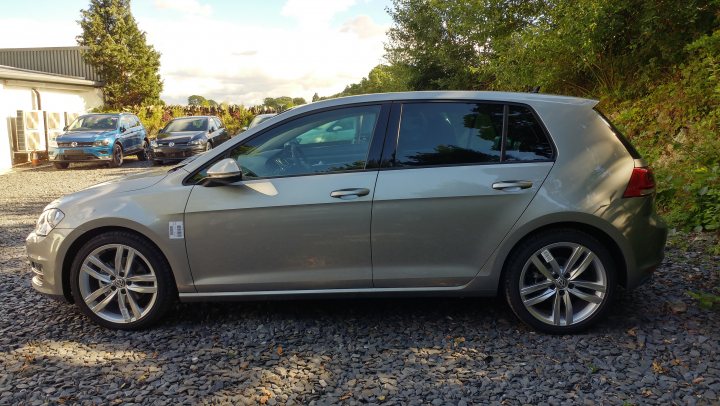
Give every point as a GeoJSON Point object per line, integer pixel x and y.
{"type": "Point", "coordinates": [259, 119]}
{"type": "Point", "coordinates": [186, 124]}
{"type": "Point", "coordinates": [95, 122]}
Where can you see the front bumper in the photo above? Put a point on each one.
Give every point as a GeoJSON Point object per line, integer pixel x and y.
{"type": "Point", "coordinates": [80, 154]}
{"type": "Point", "coordinates": [177, 152]}
{"type": "Point", "coordinates": [46, 261]}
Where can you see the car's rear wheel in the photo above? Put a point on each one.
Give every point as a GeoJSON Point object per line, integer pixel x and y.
{"type": "Point", "coordinates": [146, 152]}
{"type": "Point", "coordinates": [117, 156]}
{"type": "Point", "coordinates": [61, 165]}
{"type": "Point", "coordinates": [121, 281]}
{"type": "Point", "coordinates": [561, 281]}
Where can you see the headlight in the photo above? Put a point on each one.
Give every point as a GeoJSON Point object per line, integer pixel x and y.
{"type": "Point", "coordinates": [53, 143]}
{"type": "Point", "coordinates": [197, 142]}
{"type": "Point", "coordinates": [102, 143]}
{"type": "Point", "coordinates": [153, 144]}
{"type": "Point", "coordinates": [48, 220]}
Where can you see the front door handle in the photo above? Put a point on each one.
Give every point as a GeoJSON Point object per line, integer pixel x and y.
{"type": "Point", "coordinates": [348, 194]}
{"type": "Point", "coordinates": [512, 185]}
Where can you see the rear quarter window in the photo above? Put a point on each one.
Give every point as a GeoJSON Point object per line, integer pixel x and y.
{"type": "Point", "coordinates": [526, 139]}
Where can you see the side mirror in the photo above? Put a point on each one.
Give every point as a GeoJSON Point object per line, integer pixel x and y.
{"type": "Point", "coordinates": [123, 129]}
{"type": "Point", "coordinates": [223, 172]}
{"type": "Point", "coordinates": [212, 130]}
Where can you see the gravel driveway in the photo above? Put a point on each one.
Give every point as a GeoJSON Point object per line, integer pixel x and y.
{"type": "Point", "coordinates": [657, 346]}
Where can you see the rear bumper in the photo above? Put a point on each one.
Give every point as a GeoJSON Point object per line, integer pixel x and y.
{"type": "Point", "coordinates": [177, 152]}
{"type": "Point", "coordinates": [646, 235]}
{"type": "Point", "coordinates": [80, 154]}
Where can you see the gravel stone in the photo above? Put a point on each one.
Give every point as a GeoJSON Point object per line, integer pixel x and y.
{"type": "Point", "coordinates": [656, 347]}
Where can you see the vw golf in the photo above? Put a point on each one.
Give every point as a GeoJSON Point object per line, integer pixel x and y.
{"type": "Point", "coordinates": [534, 197]}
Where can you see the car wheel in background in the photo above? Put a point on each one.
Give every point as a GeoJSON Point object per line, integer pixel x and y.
{"type": "Point", "coordinates": [561, 281]}
{"type": "Point", "coordinates": [146, 152]}
{"type": "Point", "coordinates": [121, 281]}
{"type": "Point", "coordinates": [61, 165]}
{"type": "Point", "coordinates": [117, 156]}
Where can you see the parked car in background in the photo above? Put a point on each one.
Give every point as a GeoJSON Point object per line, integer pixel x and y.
{"type": "Point", "coordinates": [534, 197]}
{"type": "Point", "coordinates": [187, 136]}
{"type": "Point", "coordinates": [105, 137]}
{"type": "Point", "coordinates": [259, 119]}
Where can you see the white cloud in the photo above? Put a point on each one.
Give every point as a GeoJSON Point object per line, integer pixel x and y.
{"type": "Point", "coordinates": [192, 7]}
{"type": "Point", "coordinates": [27, 33]}
{"type": "Point", "coordinates": [239, 63]}
{"type": "Point", "coordinates": [315, 12]}
{"type": "Point", "coordinates": [364, 27]}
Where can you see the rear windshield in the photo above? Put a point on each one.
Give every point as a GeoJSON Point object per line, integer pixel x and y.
{"type": "Point", "coordinates": [626, 142]}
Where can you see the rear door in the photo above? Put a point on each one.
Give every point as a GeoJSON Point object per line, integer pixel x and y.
{"type": "Point", "coordinates": [451, 189]}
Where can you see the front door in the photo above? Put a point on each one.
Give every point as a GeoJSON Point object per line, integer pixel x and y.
{"type": "Point", "coordinates": [452, 191]}
{"type": "Point", "coordinates": [300, 218]}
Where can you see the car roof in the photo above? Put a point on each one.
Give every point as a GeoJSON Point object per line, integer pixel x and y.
{"type": "Point", "coordinates": [529, 98]}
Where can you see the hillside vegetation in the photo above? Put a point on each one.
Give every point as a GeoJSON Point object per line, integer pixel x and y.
{"type": "Point", "coordinates": [653, 64]}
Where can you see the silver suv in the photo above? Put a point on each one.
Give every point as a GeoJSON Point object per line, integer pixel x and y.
{"type": "Point", "coordinates": [534, 197]}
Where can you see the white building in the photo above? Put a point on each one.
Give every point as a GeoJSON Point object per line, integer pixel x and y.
{"type": "Point", "coordinates": [40, 93]}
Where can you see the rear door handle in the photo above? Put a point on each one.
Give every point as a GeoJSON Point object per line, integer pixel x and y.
{"type": "Point", "coordinates": [512, 185]}
{"type": "Point", "coordinates": [348, 194]}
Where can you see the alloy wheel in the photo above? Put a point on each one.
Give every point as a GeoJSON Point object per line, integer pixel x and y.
{"type": "Point", "coordinates": [563, 283]}
{"type": "Point", "coordinates": [117, 283]}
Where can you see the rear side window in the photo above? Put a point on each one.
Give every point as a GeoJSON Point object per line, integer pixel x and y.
{"type": "Point", "coordinates": [526, 140]}
{"type": "Point", "coordinates": [449, 134]}
{"type": "Point", "coordinates": [441, 133]}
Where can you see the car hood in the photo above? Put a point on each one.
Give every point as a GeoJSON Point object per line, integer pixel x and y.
{"type": "Point", "coordinates": [84, 135]}
{"type": "Point", "coordinates": [126, 184]}
{"type": "Point", "coordinates": [180, 136]}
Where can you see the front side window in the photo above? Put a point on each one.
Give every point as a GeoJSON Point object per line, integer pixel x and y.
{"type": "Point", "coordinates": [325, 142]}
{"type": "Point", "coordinates": [449, 134]}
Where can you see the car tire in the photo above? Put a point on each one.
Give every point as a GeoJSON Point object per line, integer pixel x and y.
{"type": "Point", "coordinates": [146, 291]}
{"type": "Point", "coordinates": [548, 292]}
{"type": "Point", "coordinates": [146, 152]}
{"type": "Point", "coordinates": [156, 162]}
{"type": "Point", "coordinates": [117, 158]}
{"type": "Point", "coordinates": [61, 165]}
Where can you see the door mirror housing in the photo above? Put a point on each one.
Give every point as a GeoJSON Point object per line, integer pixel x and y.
{"type": "Point", "coordinates": [223, 172]}
{"type": "Point", "coordinates": [123, 129]}
{"type": "Point", "coordinates": [212, 130]}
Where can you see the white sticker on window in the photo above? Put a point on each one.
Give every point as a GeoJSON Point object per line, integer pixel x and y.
{"type": "Point", "coordinates": [547, 255]}
{"type": "Point", "coordinates": [177, 230]}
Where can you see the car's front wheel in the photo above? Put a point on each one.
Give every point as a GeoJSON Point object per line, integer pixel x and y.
{"type": "Point", "coordinates": [61, 165]}
{"type": "Point", "coordinates": [561, 281]}
{"type": "Point", "coordinates": [146, 152]}
{"type": "Point", "coordinates": [116, 160]}
{"type": "Point", "coordinates": [121, 281]}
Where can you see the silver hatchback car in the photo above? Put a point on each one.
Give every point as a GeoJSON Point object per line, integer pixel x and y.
{"type": "Point", "coordinates": [534, 197]}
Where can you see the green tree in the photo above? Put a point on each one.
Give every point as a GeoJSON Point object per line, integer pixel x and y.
{"type": "Point", "coordinates": [118, 50]}
{"type": "Point", "coordinates": [197, 100]}
{"type": "Point", "coordinates": [298, 101]}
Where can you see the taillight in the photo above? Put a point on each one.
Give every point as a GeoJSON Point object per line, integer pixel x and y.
{"type": "Point", "coordinates": [642, 183]}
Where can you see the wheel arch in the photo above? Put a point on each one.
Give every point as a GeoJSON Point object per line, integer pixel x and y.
{"type": "Point", "coordinates": [88, 235]}
{"type": "Point", "coordinates": [602, 235]}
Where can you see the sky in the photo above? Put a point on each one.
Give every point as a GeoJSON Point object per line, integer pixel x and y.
{"type": "Point", "coordinates": [236, 51]}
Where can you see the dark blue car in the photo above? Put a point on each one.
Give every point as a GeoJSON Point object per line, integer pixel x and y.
{"type": "Point", "coordinates": [100, 137]}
